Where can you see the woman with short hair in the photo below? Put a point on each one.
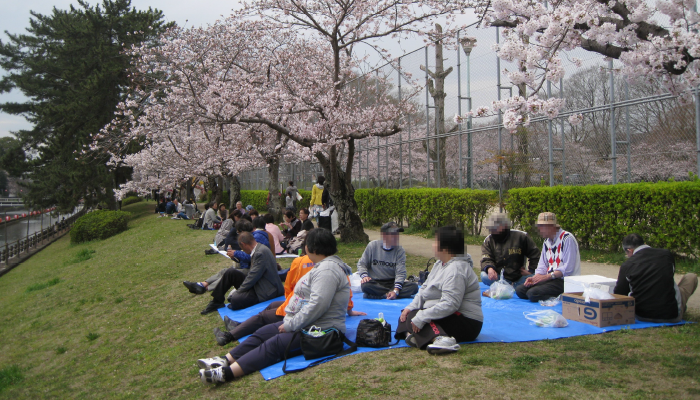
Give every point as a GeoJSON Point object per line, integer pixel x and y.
{"type": "Point", "coordinates": [320, 299]}
{"type": "Point", "coordinates": [447, 309]}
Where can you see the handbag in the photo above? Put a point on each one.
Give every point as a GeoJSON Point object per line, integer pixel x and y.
{"type": "Point", "coordinates": [374, 333]}
{"type": "Point", "coordinates": [317, 343]}
{"type": "Point", "coordinates": [423, 275]}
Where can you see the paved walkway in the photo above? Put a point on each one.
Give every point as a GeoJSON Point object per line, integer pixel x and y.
{"type": "Point", "coordinates": [424, 247]}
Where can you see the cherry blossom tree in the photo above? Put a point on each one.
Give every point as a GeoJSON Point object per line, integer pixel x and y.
{"type": "Point", "coordinates": [654, 43]}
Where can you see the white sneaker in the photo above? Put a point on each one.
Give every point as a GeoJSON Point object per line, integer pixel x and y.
{"type": "Point", "coordinates": [443, 345]}
{"type": "Point", "coordinates": [212, 376]}
{"type": "Point", "coordinates": [211, 363]}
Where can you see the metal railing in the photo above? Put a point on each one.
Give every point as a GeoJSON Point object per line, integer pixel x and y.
{"type": "Point", "coordinates": [22, 247]}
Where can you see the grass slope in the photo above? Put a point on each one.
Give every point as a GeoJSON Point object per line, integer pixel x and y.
{"type": "Point", "coordinates": [111, 319]}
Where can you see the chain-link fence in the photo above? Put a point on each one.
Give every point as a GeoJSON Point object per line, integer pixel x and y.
{"type": "Point", "coordinates": [629, 133]}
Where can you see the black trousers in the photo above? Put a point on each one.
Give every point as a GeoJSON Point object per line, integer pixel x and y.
{"type": "Point", "coordinates": [265, 347]}
{"type": "Point", "coordinates": [266, 317]}
{"type": "Point", "coordinates": [461, 328]}
{"type": "Point", "coordinates": [541, 291]}
{"type": "Point", "coordinates": [239, 300]}
{"type": "Point", "coordinates": [377, 287]}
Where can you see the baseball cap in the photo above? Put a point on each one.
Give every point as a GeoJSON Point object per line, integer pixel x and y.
{"type": "Point", "coordinates": [391, 227]}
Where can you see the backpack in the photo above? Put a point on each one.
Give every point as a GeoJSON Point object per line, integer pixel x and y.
{"type": "Point", "coordinates": [373, 333]}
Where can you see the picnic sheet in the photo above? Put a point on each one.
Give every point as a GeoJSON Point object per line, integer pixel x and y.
{"type": "Point", "coordinates": [503, 322]}
{"type": "Point", "coordinates": [223, 253]}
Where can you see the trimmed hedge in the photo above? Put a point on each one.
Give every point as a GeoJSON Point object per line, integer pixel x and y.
{"type": "Point", "coordinates": [666, 214]}
{"type": "Point", "coordinates": [425, 208]}
{"type": "Point", "coordinates": [97, 225]}
{"type": "Point", "coordinates": [131, 200]}
{"type": "Point", "coordinates": [258, 199]}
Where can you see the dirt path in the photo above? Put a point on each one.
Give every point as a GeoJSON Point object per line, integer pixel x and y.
{"type": "Point", "coordinates": [424, 247]}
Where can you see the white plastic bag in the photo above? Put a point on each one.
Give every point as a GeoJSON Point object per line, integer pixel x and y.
{"type": "Point", "coordinates": [356, 283]}
{"type": "Point", "coordinates": [551, 302]}
{"type": "Point", "coordinates": [593, 292]}
{"type": "Point", "coordinates": [501, 290]}
{"type": "Point", "coordinates": [327, 212]}
{"type": "Point", "coordinates": [299, 197]}
{"type": "Point", "coordinates": [547, 319]}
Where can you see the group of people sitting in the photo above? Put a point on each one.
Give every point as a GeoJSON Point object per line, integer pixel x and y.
{"type": "Point", "coordinates": [167, 207]}
{"type": "Point", "coordinates": [445, 311]}
{"type": "Point", "coordinates": [647, 275]}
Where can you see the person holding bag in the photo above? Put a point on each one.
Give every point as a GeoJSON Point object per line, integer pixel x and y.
{"type": "Point", "coordinates": [320, 299]}
{"type": "Point", "coordinates": [447, 309]}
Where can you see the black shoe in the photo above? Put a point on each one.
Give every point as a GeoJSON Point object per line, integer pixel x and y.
{"type": "Point", "coordinates": [222, 337]}
{"type": "Point", "coordinates": [194, 287]}
{"type": "Point", "coordinates": [210, 252]}
{"type": "Point", "coordinates": [211, 307]}
{"type": "Point", "coordinates": [230, 324]}
{"type": "Point", "coordinates": [375, 297]}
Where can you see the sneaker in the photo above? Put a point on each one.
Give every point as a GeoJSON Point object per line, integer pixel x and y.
{"type": "Point", "coordinates": [211, 307]}
{"type": "Point", "coordinates": [411, 341]}
{"type": "Point", "coordinates": [230, 324]}
{"type": "Point", "coordinates": [212, 376]}
{"type": "Point", "coordinates": [211, 363]}
{"type": "Point", "coordinates": [222, 337]}
{"type": "Point", "coordinates": [443, 345]}
{"type": "Point", "coordinates": [194, 287]}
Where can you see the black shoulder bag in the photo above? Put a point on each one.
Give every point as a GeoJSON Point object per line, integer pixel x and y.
{"type": "Point", "coordinates": [328, 344]}
{"type": "Point", "coordinates": [373, 333]}
{"type": "Point", "coordinates": [423, 275]}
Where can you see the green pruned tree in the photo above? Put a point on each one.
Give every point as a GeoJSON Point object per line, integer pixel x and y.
{"type": "Point", "coordinates": [72, 68]}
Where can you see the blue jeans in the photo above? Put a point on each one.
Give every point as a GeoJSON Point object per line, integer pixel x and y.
{"type": "Point", "coordinates": [486, 281]}
{"type": "Point", "coordinates": [182, 215]}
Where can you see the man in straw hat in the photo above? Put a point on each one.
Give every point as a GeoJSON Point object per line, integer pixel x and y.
{"type": "Point", "coordinates": [559, 258]}
{"type": "Point", "coordinates": [507, 250]}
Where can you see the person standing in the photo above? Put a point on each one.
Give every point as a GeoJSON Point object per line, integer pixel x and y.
{"type": "Point", "coordinates": [560, 257]}
{"type": "Point", "coordinates": [316, 202]}
{"type": "Point", "coordinates": [292, 192]}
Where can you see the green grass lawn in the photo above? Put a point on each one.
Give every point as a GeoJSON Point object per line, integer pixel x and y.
{"type": "Point", "coordinates": [112, 319]}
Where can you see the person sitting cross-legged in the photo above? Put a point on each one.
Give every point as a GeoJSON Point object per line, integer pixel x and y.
{"type": "Point", "coordinates": [320, 299]}
{"type": "Point", "coordinates": [275, 311]}
{"type": "Point", "coordinates": [447, 309]}
{"type": "Point", "coordinates": [382, 267]}
{"type": "Point", "coordinates": [559, 258]}
{"type": "Point", "coordinates": [647, 275]}
{"type": "Point", "coordinates": [506, 250]}
{"type": "Point", "coordinates": [261, 283]}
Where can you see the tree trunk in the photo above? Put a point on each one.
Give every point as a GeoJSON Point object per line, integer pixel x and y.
{"type": "Point", "coordinates": [215, 189]}
{"type": "Point", "coordinates": [273, 172]}
{"type": "Point", "coordinates": [234, 191]}
{"type": "Point", "coordinates": [343, 195]}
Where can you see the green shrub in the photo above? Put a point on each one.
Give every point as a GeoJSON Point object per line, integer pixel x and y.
{"type": "Point", "coordinates": [131, 200]}
{"type": "Point", "coordinates": [425, 208]}
{"type": "Point", "coordinates": [666, 213]}
{"type": "Point", "coordinates": [99, 224]}
{"type": "Point", "coordinates": [256, 198]}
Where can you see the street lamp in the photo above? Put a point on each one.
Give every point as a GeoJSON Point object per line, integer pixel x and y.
{"type": "Point", "coordinates": [468, 43]}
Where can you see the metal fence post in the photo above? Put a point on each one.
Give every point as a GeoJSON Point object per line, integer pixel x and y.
{"type": "Point", "coordinates": [459, 109]}
{"type": "Point", "coordinates": [697, 126]}
{"type": "Point", "coordinates": [563, 138]}
{"type": "Point", "coordinates": [627, 129]}
{"type": "Point", "coordinates": [500, 123]}
{"type": "Point", "coordinates": [613, 138]}
{"type": "Point", "coordinates": [427, 119]}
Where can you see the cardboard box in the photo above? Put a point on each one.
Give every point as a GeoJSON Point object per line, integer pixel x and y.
{"type": "Point", "coordinates": [600, 313]}
{"type": "Point", "coordinates": [574, 284]}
